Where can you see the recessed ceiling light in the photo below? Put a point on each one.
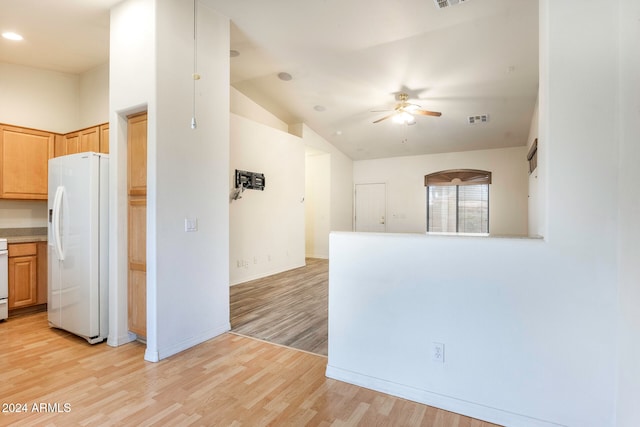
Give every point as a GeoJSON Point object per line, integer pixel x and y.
{"type": "Point", "coordinates": [234, 53]}
{"type": "Point", "coordinates": [285, 77]}
{"type": "Point", "coordinates": [319, 108]}
{"type": "Point", "coordinates": [12, 36]}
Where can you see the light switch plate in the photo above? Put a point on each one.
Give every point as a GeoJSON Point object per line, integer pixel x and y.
{"type": "Point", "coordinates": [190, 224]}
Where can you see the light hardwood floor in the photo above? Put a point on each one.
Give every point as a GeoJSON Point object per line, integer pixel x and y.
{"type": "Point", "coordinates": [289, 308]}
{"type": "Point", "coordinates": [228, 381]}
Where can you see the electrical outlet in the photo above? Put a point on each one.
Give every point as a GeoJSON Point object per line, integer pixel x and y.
{"type": "Point", "coordinates": [437, 352]}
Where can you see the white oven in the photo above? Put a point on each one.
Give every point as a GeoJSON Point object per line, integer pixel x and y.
{"type": "Point", "coordinates": [4, 280]}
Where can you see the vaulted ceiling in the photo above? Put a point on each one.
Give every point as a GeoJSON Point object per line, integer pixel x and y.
{"type": "Point", "coordinates": [345, 59]}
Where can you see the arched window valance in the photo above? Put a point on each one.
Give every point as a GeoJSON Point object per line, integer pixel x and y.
{"type": "Point", "coordinates": [458, 177]}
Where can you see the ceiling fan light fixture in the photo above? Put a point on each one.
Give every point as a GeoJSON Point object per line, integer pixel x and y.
{"type": "Point", "coordinates": [404, 118]}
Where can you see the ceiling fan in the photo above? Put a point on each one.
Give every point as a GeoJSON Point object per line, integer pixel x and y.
{"type": "Point", "coordinates": [405, 111]}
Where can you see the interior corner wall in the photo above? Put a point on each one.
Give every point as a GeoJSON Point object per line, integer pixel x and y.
{"type": "Point", "coordinates": [341, 178]}
{"type": "Point", "coordinates": [131, 89]}
{"type": "Point", "coordinates": [317, 204]}
{"type": "Point", "coordinates": [406, 194]}
{"type": "Point", "coordinates": [243, 106]}
{"type": "Point", "coordinates": [94, 97]}
{"type": "Point", "coordinates": [39, 99]}
{"type": "Point", "coordinates": [267, 228]}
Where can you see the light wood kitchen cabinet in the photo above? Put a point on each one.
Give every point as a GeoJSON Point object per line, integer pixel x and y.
{"type": "Point", "coordinates": [59, 147]}
{"type": "Point", "coordinates": [83, 140]}
{"type": "Point", "coordinates": [71, 143]}
{"type": "Point", "coordinates": [24, 157]}
{"type": "Point", "coordinates": [90, 140]}
{"type": "Point", "coordinates": [42, 273]}
{"type": "Point", "coordinates": [23, 275]}
{"type": "Point", "coordinates": [104, 138]}
{"type": "Point", "coordinates": [95, 139]}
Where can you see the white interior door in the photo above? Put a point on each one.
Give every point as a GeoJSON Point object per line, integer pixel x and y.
{"type": "Point", "coordinates": [371, 212]}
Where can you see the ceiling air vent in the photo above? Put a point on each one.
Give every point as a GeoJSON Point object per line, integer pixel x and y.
{"type": "Point", "coordinates": [474, 120]}
{"type": "Point", "coordinates": [446, 3]}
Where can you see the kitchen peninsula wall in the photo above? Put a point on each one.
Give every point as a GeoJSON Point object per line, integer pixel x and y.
{"type": "Point", "coordinates": [54, 101]}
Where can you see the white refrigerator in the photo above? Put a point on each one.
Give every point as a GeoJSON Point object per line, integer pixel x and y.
{"type": "Point", "coordinates": [78, 246]}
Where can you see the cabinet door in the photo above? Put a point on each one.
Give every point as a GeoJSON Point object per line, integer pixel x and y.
{"type": "Point", "coordinates": [104, 138]}
{"type": "Point", "coordinates": [137, 219]}
{"type": "Point", "coordinates": [42, 275]}
{"type": "Point", "coordinates": [60, 148]}
{"type": "Point", "coordinates": [24, 157]}
{"type": "Point", "coordinates": [22, 281]}
{"type": "Point", "coordinates": [72, 143]}
{"type": "Point", "coordinates": [90, 140]}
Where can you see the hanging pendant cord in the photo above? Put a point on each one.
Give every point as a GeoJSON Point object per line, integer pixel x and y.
{"type": "Point", "coordinates": [195, 61]}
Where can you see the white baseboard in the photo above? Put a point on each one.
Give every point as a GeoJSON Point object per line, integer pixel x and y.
{"type": "Point", "coordinates": [470, 409]}
{"type": "Point", "coordinates": [317, 256]}
{"type": "Point", "coordinates": [163, 353]}
{"type": "Point", "coordinates": [151, 356]}
{"type": "Point", "coordinates": [262, 274]}
{"type": "Point", "coordinates": [120, 340]}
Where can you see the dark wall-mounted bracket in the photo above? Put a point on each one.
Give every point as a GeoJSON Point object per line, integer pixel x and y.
{"type": "Point", "coordinates": [250, 180]}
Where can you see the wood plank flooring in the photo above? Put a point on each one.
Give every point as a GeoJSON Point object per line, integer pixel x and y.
{"type": "Point", "coordinates": [289, 308]}
{"type": "Point", "coordinates": [228, 381]}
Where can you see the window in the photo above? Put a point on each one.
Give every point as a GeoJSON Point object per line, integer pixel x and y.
{"type": "Point", "coordinates": [458, 201]}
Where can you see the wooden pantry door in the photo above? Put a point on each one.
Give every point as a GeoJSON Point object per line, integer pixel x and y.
{"type": "Point", "coordinates": [137, 223]}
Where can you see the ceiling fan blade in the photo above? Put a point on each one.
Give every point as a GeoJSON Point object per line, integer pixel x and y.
{"type": "Point", "coordinates": [380, 111]}
{"type": "Point", "coordinates": [426, 113]}
{"type": "Point", "coordinates": [385, 117]}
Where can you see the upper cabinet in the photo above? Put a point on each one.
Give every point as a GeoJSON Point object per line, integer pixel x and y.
{"type": "Point", "coordinates": [25, 154]}
{"type": "Point", "coordinates": [24, 157]}
{"type": "Point", "coordinates": [104, 138]}
{"type": "Point", "coordinates": [90, 139]}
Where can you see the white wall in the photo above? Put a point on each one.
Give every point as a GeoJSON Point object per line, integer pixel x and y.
{"type": "Point", "coordinates": [39, 99]}
{"type": "Point", "coordinates": [529, 326]}
{"type": "Point", "coordinates": [326, 188]}
{"type": "Point", "coordinates": [23, 213]}
{"type": "Point", "coordinates": [628, 410]}
{"type": "Point", "coordinates": [94, 97]}
{"type": "Point", "coordinates": [245, 107]}
{"type": "Point", "coordinates": [341, 179]}
{"type": "Point", "coordinates": [317, 203]}
{"type": "Point", "coordinates": [189, 179]}
{"type": "Point", "coordinates": [187, 273]}
{"type": "Point", "coordinates": [406, 193]}
{"type": "Point", "coordinates": [266, 228]}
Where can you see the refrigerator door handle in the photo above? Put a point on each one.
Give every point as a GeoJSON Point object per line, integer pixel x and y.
{"type": "Point", "coordinates": [57, 203]}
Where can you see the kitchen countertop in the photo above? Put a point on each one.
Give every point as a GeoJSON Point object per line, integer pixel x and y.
{"type": "Point", "coordinates": [23, 235]}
